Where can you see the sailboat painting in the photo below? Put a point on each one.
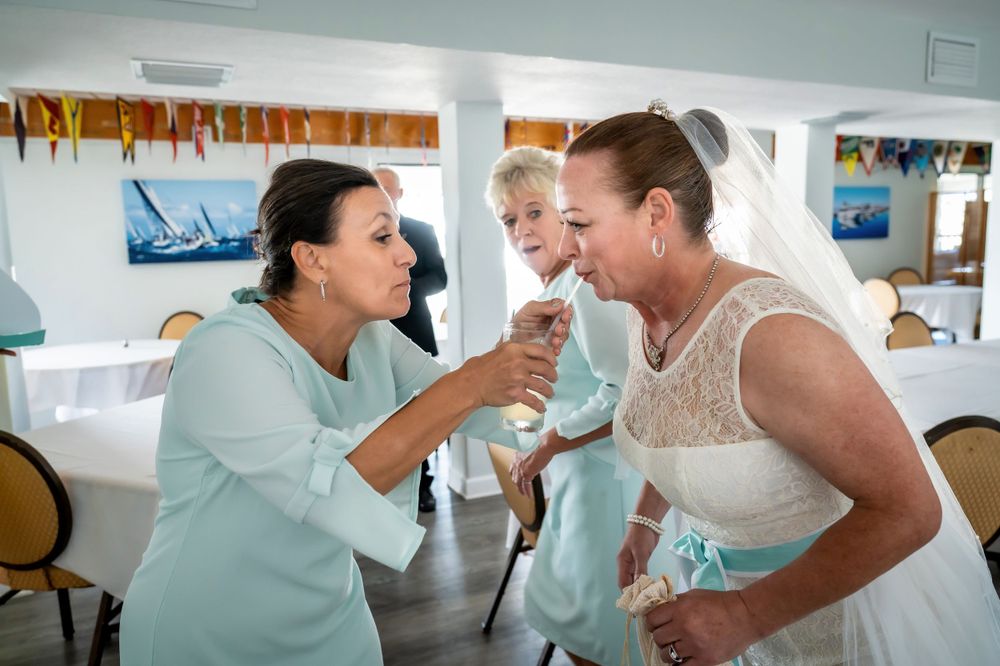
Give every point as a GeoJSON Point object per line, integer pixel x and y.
{"type": "Point", "coordinates": [189, 220]}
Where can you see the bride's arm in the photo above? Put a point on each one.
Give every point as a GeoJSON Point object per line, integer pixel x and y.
{"type": "Point", "coordinates": [803, 384]}
{"type": "Point", "coordinates": [814, 395]}
{"type": "Point", "coordinates": [640, 542]}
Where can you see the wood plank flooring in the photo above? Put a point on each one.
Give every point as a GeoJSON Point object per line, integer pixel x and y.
{"type": "Point", "coordinates": [429, 615]}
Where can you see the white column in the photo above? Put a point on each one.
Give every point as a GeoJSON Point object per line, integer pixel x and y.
{"type": "Point", "coordinates": [990, 327]}
{"type": "Point", "coordinates": [471, 139]}
{"type": "Point", "coordinates": [804, 159]}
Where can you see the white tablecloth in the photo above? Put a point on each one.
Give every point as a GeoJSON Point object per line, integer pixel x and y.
{"type": "Point", "coordinates": [107, 463]}
{"type": "Point", "coordinates": [944, 381]}
{"type": "Point", "coordinates": [94, 375]}
{"type": "Point", "coordinates": [944, 306]}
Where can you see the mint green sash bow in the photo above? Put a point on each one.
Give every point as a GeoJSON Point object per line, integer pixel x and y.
{"type": "Point", "coordinates": [713, 561]}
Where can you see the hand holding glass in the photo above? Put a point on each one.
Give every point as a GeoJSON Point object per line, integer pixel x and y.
{"type": "Point", "coordinates": [520, 417]}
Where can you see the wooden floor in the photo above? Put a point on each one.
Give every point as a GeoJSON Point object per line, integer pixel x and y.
{"type": "Point", "coordinates": [429, 615]}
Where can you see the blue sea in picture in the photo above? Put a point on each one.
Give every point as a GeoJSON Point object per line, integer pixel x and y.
{"type": "Point", "coordinates": [860, 212]}
{"type": "Point", "coordinates": [189, 220]}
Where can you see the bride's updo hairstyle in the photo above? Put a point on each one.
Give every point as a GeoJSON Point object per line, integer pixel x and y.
{"type": "Point", "coordinates": [647, 150]}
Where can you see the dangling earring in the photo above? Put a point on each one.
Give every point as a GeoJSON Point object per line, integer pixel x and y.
{"type": "Point", "coordinates": [659, 246]}
{"type": "Point", "coordinates": [322, 289]}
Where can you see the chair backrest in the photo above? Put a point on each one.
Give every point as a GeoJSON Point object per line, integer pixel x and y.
{"type": "Point", "coordinates": [968, 450]}
{"type": "Point", "coordinates": [909, 330]}
{"type": "Point", "coordinates": [904, 276]}
{"type": "Point", "coordinates": [529, 510]}
{"type": "Point", "coordinates": [35, 515]}
{"type": "Point", "coordinates": [178, 324]}
{"type": "Point", "coordinates": [885, 295]}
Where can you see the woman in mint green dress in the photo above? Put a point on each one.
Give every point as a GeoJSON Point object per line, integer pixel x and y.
{"type": "Point", "coordinates": [292, 427]}
{"type": "Point", "coordinates": [572, 588]}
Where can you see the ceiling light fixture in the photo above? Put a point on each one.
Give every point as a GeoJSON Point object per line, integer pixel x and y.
{"type": "Point", "coordinates": [181, 73]}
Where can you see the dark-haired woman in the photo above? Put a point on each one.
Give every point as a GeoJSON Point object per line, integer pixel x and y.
{"type": "Point", "coordinates": [759, 402]}
{"type": "Point", "coordinates": [292, 427]}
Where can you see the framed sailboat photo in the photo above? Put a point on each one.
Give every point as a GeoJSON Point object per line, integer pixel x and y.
{"type": "Point", "coordinates": [189, 220]}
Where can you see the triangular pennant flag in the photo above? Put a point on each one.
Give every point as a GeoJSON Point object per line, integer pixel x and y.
{"type": "Point", "coordinates": [956, 155]}
{"type": "Point", "coordinates": [888, 150]}
{"type": "Point", "coordinates": [308, 128]}
{"type": "Point", "coordinates": [904, 154]}
{"type": "Point", "coordinates": [198, 117]}
{"type": "Point", "coordinates": [220, 125]}
{"type": "Point", "coordinates": [73, 113]}
{"type": "Point", "coordinates": [148, 121]}
{"type": "Point", "coordinates": [243, 128]}
{"type": "Point", "coordinates": [172, 124]}
{"type": "Point", "coordinates": [265, 134]}
{"type": "Point", "coordinates": [423, 142]}
{"type": "Point", "coordinates": [868, 149]}
{"type": "Point", "coordinates": [849, 153]}
{"type": "Point", "coordinates": [20, 114]}
{"type": "Point", "coordinates": [567, 135]}
{"type": "Point", "coordinates": [284, 126]}
{"type": "Point", "coordinates": [51, 121]}
{"type": "Point", "coordinates": [126, 128]}
{"type": "Point", "coordinates": [921, 155]}
{"type": "Point", "coordinates": [983, 151]}
{"type": "Point", "coordinates": [939, 153]}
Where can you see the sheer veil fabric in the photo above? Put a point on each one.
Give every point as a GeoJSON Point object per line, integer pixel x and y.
{"type": "Point", "coordinates": [938, 605]}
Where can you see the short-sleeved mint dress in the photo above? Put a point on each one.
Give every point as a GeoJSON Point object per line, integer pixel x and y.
{"type": "Point", "coordinates": [251, 559]}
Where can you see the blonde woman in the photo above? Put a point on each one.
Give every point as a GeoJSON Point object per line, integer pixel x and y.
{"type": "Point", "coordinates": [571, 592]}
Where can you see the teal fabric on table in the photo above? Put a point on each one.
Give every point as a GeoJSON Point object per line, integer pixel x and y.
{"type": "Point", "coordinates": [572, 588]}
{"type": "Point", "coordinates": [251, 559]}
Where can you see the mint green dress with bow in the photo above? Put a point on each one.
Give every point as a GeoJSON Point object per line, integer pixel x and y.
{"type": "Point", "coordinates": [251, 559]}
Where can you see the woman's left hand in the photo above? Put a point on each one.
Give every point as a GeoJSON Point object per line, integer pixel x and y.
{"type": "Point", "coordinates": [542, 312]}
{"type": "Point", "coordinates": [527, 466]}
{"type": "Point", "coordinates": [705, 627]}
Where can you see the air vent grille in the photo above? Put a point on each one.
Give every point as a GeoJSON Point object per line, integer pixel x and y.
{"type": "Point", "coordinates": [952, 60]}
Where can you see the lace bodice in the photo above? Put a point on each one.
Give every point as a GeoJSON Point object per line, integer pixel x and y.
{"type": "Point", "coordinates": [685, 430]}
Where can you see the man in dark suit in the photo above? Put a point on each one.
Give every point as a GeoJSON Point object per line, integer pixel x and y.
{"type": "Point", "coordinates": [427, 277]}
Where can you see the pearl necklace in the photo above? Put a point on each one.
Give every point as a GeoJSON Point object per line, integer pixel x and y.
{"type": "Point", "coordinates": [657, 354]}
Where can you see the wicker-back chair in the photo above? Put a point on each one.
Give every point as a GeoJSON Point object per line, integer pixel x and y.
{"type": "Point", "coordinates": [178, 324]}
{"type": "Point", "coordinates": [968, 450]}
{"type": "Point", "coordinates": [36, 521]}
{"type": "Point", "coordinates": [909, 330]}
{"type": "Point", "coordinates": [530, 511]}
{"type": "Point", "coordinates": [905, 276]}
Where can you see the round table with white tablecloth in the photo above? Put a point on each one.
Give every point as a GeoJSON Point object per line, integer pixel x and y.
{"type": "Point", "coordinates": [944, 306]}
{"type": "Point", "coordinates": [65, 381]}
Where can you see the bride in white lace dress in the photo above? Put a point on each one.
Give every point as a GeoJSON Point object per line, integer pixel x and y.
{"type": "Point", "coordinates": [759, 402]}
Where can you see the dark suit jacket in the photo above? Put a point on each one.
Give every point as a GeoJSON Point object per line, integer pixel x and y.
{"type": "Point", "coordinates": [427, 277]}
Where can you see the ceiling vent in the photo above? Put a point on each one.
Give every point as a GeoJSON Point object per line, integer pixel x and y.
{"type": "Point", "coordinates": [952, 60]}
{"type": "Point", "coordinates": [182, 73]}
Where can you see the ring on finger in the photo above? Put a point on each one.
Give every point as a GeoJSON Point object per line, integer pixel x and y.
{"type": "Point", "coordinates": [672, 653]}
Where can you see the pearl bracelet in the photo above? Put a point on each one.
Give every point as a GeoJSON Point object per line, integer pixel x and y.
{"type": "Point", "coordinates": [645, 521]}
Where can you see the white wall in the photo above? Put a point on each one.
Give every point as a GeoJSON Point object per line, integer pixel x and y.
{"type": "Point", "coordinates": [906, 244]}
{"type": "Point", "coordinates": [67, 233]}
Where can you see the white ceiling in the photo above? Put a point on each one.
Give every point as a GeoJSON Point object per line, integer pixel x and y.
{"type": "Point", "coordinates": [60, 50]}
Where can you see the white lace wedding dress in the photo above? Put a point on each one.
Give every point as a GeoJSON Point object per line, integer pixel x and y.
{"type": "Point", "coordinates": [685, 430]}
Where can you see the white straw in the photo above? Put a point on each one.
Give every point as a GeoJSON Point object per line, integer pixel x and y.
{"type": "Point", "coordinates": [558, 317]}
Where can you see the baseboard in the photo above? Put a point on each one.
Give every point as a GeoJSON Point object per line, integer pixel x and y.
{"type": "Point", "coordinates": [474, 487]}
